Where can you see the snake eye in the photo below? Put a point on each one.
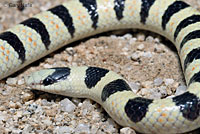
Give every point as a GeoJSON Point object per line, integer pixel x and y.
{"type": "Point", "coordinates": [58, 75]}
{"type": "Point", "coordinates": [48, 81]}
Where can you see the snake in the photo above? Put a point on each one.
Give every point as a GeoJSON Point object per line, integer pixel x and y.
{"type": "Point", "coordinates": [50, 30]}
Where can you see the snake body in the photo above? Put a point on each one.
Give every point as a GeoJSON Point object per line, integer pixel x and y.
{"type": "Point", "coordinates": [45, 32]}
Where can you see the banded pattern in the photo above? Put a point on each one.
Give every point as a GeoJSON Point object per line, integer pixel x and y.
{"type": "Point", "coordinates": [64, 15]}
{"type": "Point", "coordinates": [40, 28]}
{"type": "Point", "coordinates": [63, 24]}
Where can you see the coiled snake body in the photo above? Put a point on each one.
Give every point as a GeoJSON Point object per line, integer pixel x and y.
{"type": "Point", "coordinates": [76, 19]}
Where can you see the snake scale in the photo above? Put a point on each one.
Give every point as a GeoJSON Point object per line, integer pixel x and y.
{"type": "Point", "coordinates": [76, 19]}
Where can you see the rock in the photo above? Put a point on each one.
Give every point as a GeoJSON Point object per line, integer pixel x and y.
{"type": "Point", "coordinates": [32, 108]}
{"type": "Point", "coordinates": [20, 82]}
{"type": "Point", "coordinates": [127, 130]}
{"type": "Point", "coordinates": [150, 39]}
{"type": "Point", "coordinates": [82, 128]}
{"type": "Point", "coordinates": [47, 122]}
{"type": "Point", "coordinates": [27, 129]}
{"type": "Point", "coordinates": [47, 66]}
{"type": "Point", "coordinates": [12, 104]}
{"type": "Point", "coordinates": [147, 54]}
{"type": "Point", "coordinates": [27, 96]}
{"type": "Point", "coordinates": [44, 102]}
{"type": "Point", "coordinates": [135, 56]}
{"type": "Point", "coordinates": [11, 81]}
{"type": "Point", "coordinates": [94, 129]}
{"type": "Point", "coordinates": [64, 130]}
{"type": "Point", "coordinates": [168, 81]}
{"type": "Point", "coordinates": [134, 86]}
{"type": "Point", "coordinates": [67, 106]}
{"type": "Point", "coordinates": [16, 131]}
{"type": "Point", "coordinates": [127, 36]}
{"type": "Point", "coordinates": [19, 114]}
{"type": "Point", "coordinates": [109, 126]}
{"type": "Point", "coordinates": [86, 107]}
{"type": "Point", "coordinates": [113, 36]}
{"type": "Point", "coordinates": [3, 116]}
{"type": "Point", "coordinates": [163, 90]}
{"type": "Point", "coordinates": [6, 91]}
{"type": "Point", "coordinates": [140, 47]}
{"type": "Point", "coordinates": [96, 116]}
{"type": "Point", "coordinates": [76, 100]}
{"type": "Point", "coordinates": [132, 40]}
{"type": "Point", "coordinates": [158, 81]}
{"type": "Point", "coordinates": [181, 89]}
{"type": "Point", "coordinates": [2, 108]}
{"type": "Point", "coordinates": [147, 84]}
{"type": "Point", "coordinates": [70, 51]}
{"type": "Point", "coordinates": [140, 37]}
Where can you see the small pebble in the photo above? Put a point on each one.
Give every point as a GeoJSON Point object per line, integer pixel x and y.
{"type": "Point", "coordinates": [12, 104]}
{"type": "Point", "coordinates": [147, 84]}
{"type": "Point", "coordinates": [86, 107]}
{"type": "Point", "coordinates": [158, 81]}
{"type": "Point", "coordinates": [181, 89]}
{"type": "Point", "coordinates": [150, 39]}
{"type": "Point", "coordinates": [76, 100]}
{"type": "Point", "coordinates": [3, 116]}
{"type": "Point", "coordinates": [140, 37]}
{"type": "Point", "coordinates": [168, 81]}
{"type": "Point", "coordinates": [132, 40]}
{"type": "Point", "coordinates": [127, 36]}
{"type": "Point", "coordinates": [11, 81]}
{"type": "Point", "coordinates": [19, 114]}
{"type": "Point", "coordinates": [125, 49]}
{"type": "Point", "coordinates": [20, 82]}
{"type": "Point", "coordinates": [64, 130]}
{"type": "Point", "coordinates": [135, 56]}
{"type": "Point", "coordinates": [113, 36]}
{"type": "Point", "coordinates": [2, 108]}
{"type": "Point", "coordinates": [158, 49]}
{"type": "Point", "coordinates": [47, 122]}
{"type": "Point", "coordinates": [6, 91]}
{"type": "Point", "coordinates": [94, 129]}
{"type": "Point", "coordinates": [127, 130]}
{"type": "Point", "coordinates": [157, 40]}
{"type": "Point", "coordinates": [96, 116]}
{"type": "Point", "coordinates": [163, 90]}
{"type": "Point", "coordinates": [82, 128]}
{"type": "Point", "coordinates": [109, 126]}
{"type": "Point", "coordinates": [67, 106]}
{"type": "Point", "coordinates": [70, 51]}
{"type": "Point", "coordinates": [32, 108]}
{"type": "Point", "coordinates": [27, 96]}
{"type": "Point", "coordinates": [47, 66]}
{"type": "Point", "coordinates": [44, 102]}
{"type": "Point", "coordinates": [140, 47]}
{"type": "Point", "coordinates": [134, 86]}
{"type": "Point", "coordinates": [27, 129]}
{"type": "Point", "coordinates": [147, 54]}
{"type": "Point", "coordinates": [16, 131]}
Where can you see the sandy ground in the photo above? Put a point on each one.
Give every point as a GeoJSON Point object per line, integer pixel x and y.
{"type": "Point", "coordinates": [148, 61]}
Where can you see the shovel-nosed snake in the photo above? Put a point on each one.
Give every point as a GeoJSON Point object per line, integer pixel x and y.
{"type": "Point", "coordinates": [76, 19]}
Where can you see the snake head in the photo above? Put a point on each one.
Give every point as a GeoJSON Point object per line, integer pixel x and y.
{"type": "Point", "coordinates": [36, 79]}
{"type": "Point", "coordinates": [46, 78]}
